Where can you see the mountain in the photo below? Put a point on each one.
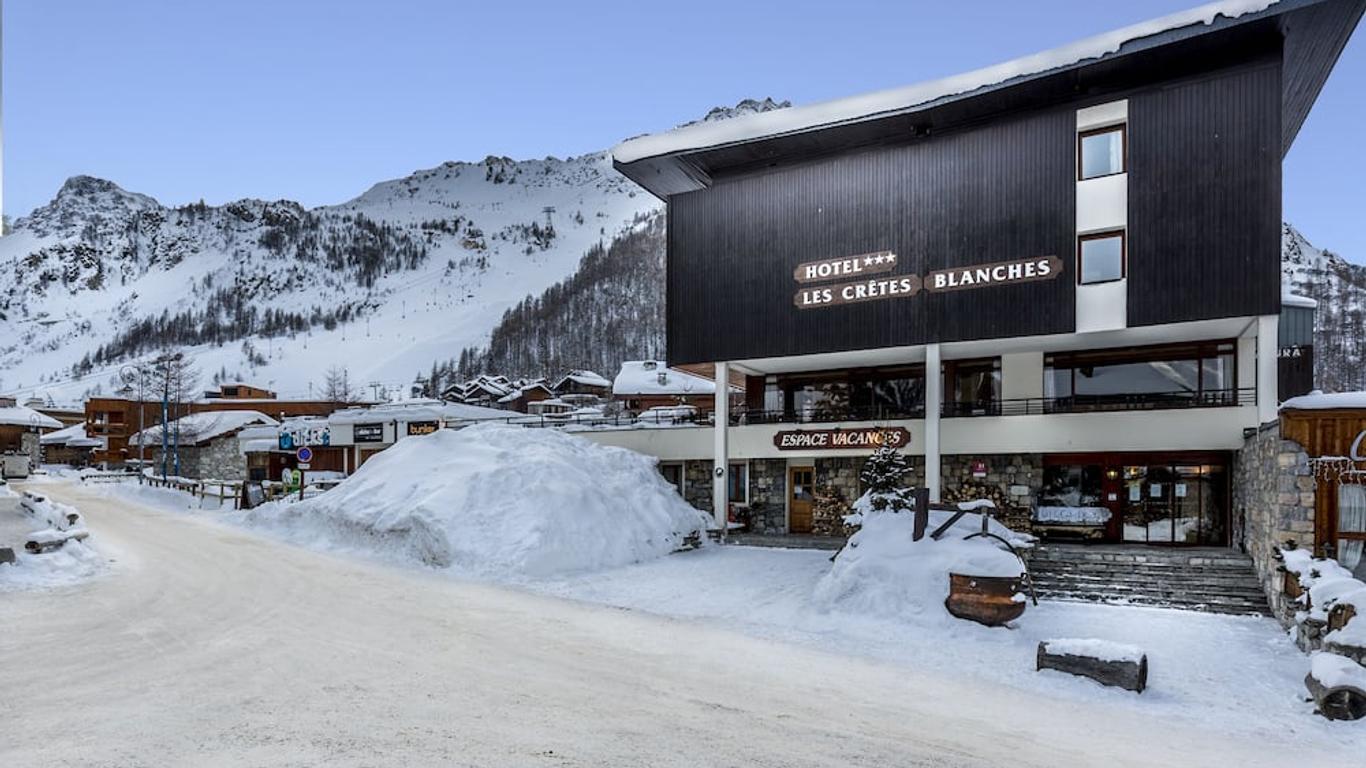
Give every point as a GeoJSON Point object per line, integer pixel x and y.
{"type": "Point", "coordinates": [1339, 287]}
{"type": "Point", "coordinates": [274, 293]}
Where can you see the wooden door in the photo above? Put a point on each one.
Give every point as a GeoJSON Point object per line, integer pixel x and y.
{"type": "Point", "coordinates": [800, 498]}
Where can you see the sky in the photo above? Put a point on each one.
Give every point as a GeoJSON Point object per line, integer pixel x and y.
{"type": "Point", "coordinates": [316, 101]}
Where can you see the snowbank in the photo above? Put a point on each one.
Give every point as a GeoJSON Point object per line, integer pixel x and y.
{"type": "Point", "coordinates": [883, 572]}
{"type": "Point", "coordinates": [496, 501]}
{"type": "Point", "coordinates": [74, 562]}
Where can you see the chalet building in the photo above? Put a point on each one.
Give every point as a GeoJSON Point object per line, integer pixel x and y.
{"type": "Point", "coordinates": [645, 384]}
{"type": "Point", "coordinates": [1054, 283]}
{"type": "Point", "coordinates": [583, 387]}
{"type": "Point", "coordinates": [21, 429]}
{"type": "Point", "coordinates": [239, 391]}
{"type": "Point", "coordinates": [70, 445]}
{"type": "Point", "coordinates": [524, 398]}
{"type": "Point", "coordinates": [115, 420]}
{"type": "Point", "coordinates": [203, 445]}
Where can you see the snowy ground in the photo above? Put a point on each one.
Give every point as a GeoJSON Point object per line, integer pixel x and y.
{"type": "Point", "coordinates": [297, 646]}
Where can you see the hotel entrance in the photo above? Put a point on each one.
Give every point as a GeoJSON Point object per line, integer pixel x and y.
{"type": "Point", "coordinates": [1165, 499]}
{"type": "Point", "coordinates": [800, 515]}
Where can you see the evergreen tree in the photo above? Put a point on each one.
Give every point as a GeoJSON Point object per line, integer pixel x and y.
{"type": "Point", "coordinates": [883, 473]}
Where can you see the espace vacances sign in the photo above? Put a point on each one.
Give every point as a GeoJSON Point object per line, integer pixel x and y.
{"type": "Point", "coordinates": [866, 277]}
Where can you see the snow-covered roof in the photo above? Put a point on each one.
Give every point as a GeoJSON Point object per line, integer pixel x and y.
{"type": "Point", "coordinates": [586, 378]}
{"type": "Point", "coordinates": [760, 125]}
{"type": "Point", "coordinates": [655, 377]}
{"type": "Point", "coordinates": [73, 436]}
{"type": "Point", "coordinates": [417, 409]}
{"type": "Point", "coordinates": [23, 416]}
{"type": "Point", "coordinates": [205, 425]}
{"type": "Point", "coordinates": [1317, 401]}
{"type": "Point", "coordinates": [1289, 299]}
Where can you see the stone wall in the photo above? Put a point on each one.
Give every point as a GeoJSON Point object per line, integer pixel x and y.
{"type": "Point", "coordinates": [697, 484]}
{"type": "Point", "coordinates": [1012, 482]}
{"type": "Point", "coordinates": [1273, 502]}
{"type": "Point", "coordinates": [220, 459]}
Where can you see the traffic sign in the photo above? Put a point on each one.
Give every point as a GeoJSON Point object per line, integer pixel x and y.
{"type": "Point", "coordinates": [304, 454]}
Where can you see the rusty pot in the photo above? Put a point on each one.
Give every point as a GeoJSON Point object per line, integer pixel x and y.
{"type": "Point", "coordinates": [988, 600]}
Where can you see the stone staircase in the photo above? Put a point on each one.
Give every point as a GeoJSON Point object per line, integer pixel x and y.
{"type": "Point", "coordinates": [1209, 579]}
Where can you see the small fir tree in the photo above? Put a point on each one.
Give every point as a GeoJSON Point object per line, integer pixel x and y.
{"type": "Point", "coordinates": [882, 474]}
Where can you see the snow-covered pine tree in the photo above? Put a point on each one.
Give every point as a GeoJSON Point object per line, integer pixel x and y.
{"type": "Point", "coordinates": [882, 474]}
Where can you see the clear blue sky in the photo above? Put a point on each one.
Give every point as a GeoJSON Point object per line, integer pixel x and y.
{"type": "Point", "coordinates": [315, 101]}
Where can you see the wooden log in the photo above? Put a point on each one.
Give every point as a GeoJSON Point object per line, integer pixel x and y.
{"type": "Point", "coordinates": [1290, 584]}
{"type": "Point", "coordinates": [1128, 674]}
{"type": "Point", "coordinates": [39, 546]}
{"type": "Point", "coordinates": [1342, 702]}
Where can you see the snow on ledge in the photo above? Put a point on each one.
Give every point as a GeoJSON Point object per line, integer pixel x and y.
{"type": "Point", "coordinates": [1289, 299]}
{"type": "Point", "coordinates": [1091, 648]}
{"type": "Point", "coordinates": [881, 103]}
{"type": "Point", "coordinates": [1316, 400]}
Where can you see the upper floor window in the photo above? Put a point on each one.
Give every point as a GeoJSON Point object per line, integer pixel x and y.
{"type": "Point", "coordinates": [1101, 152]}
{"type": "Point", "coordinates": [972, 387]}
{"type": "Point", "coordinates": [1100, 257]}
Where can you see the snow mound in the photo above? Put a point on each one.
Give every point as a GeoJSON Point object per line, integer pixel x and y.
{"type": "Point", "coordinates": [496, 501]}
{"type": "Point", "coordinates": [73, 563]}
{"type": "Point", "coordinates": [1089, 647]}
{"type": "Point", "coordinates": [884, 572]}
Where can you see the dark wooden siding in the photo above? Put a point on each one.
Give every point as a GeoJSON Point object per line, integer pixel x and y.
{"type": "Point", "coordinates": [1004, 190]}
{"type": "Point", "coordinates": [1205, 198]}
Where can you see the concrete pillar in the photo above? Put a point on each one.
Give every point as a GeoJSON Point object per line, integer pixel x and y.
{"type": "Point", "coordinates": [1268, 342]}
{"type": "Point", "coordinates": [721, 448]}
{"type": "Point", "coordinates": [934, 396]}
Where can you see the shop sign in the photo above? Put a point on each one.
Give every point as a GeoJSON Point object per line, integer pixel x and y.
{"type": "Point", "coordinates": [979, 468]}
{"type": "Point", "coordinates": [422, 427]}
{"type": "Point", "coordinates": [865, 278]}
{"type": "Point", "coordinates": [368, 433]}
{"type": "Point", "coordinates": [841, 439]}
{"type": "Point", "coordinates": [300, 434]}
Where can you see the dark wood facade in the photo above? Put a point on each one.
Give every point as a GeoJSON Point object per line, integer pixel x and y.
{"type": "Point", "coordinates": [1328, 436]}
{"type": "Point", "coordinates": [989, 175]}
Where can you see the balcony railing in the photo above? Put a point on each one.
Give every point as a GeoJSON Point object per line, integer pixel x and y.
{"type": "Point", "coordinates": [1146, 401]}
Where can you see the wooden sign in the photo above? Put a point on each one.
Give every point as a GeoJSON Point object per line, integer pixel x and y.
{"type": "Point", "coordinates": [845, 267]}
{"type": "Point", "coordinates": [996, 273]}
{"type": "Point", "coordinates": [422, 427]}
{"type": "Point", "coordinates": [891, 287]}
{"type": "Point", "coordinates": [859, 438]}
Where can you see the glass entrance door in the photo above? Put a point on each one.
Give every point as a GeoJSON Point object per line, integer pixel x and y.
{"type": "Point", "coordinates": [1176, 504]}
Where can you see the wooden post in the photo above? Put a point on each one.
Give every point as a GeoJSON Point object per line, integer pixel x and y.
{"type": "Point", "coordinates": [922, 513]}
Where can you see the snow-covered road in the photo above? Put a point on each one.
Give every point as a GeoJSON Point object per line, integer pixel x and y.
{"type": "Point", "coordinates": [210, 645]}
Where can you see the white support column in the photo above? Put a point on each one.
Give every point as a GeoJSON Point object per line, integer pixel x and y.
{"type": "Point", "coordinates": [721, 450]}
{"type": "Point", "coordinates": [1268, 347]}
{"type": "Point", "coordinates": [934, 395]}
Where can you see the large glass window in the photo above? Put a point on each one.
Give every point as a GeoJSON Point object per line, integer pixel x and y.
{"type": "Point", "coordinates": [1175, 375]}
{"type": "Point", "coordinates": [1101, 152]}
{"type": "Point", "coordinates": [1351, 550]}
{"type": "Point", "coordinates": [972, 387]}
{"type": "Point", "coordinates": [1100, 258]}
{"type": "Point", "coordinates": [857, 394]}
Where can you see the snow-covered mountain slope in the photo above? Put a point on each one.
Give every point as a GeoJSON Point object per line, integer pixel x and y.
{"type": "Point", "coordinates": [1339, 286]}
{"type": "Point", "coordinates": [413, 269]}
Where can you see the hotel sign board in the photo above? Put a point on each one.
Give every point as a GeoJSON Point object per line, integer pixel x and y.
{"type": "Point", "coordinates": [858, 438]}
{"type": "Point", "coordinates": [871, 281]}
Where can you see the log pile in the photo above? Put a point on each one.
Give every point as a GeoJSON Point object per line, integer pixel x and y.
{"type": "Point", "coordinates": [1338, 685]}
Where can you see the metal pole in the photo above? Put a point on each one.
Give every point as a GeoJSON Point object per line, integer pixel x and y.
{"type": "Point", "coordinates": [720, 499]}
{"type": "Point", "coordinates": [934, 388]}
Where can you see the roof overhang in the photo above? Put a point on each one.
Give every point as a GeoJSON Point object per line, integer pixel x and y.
{"type": "Point", "coordinates": [1308, 34]}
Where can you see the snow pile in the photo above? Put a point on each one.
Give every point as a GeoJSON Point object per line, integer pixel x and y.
{"type": "Point", "coordinates": [1337, 671]}
{"type": "Point", "coordinates": [496, 501]}
{"type": "Point", "coordinates": [1092, 648]}
{"type": "Point", "coordinates": [76, 561]}
{"type": "Point", "coordinates": [884, 572]}
{"type": "Point", "coordinates": [655, 377]}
